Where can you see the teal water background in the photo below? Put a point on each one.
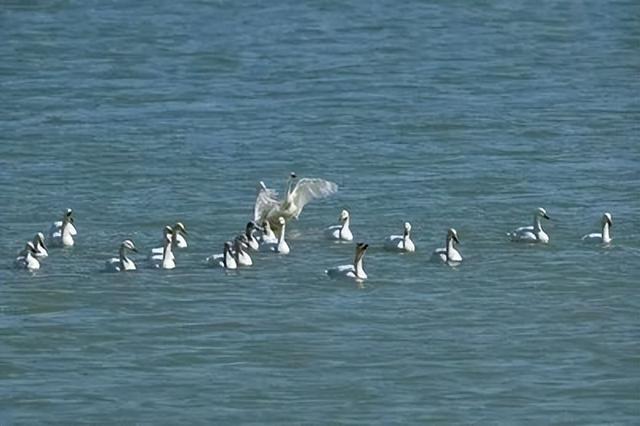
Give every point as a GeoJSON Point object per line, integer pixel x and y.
{"type": "Point", "coordinates": [445, 114]}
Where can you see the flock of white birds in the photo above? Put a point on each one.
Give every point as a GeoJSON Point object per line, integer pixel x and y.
{"type": "Point", "coordinates": [266, 232]}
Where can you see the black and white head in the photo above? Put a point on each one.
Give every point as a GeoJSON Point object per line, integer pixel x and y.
{"type": "Point", "coordinates": [606, 218]}
{"type": "Point", "coordinates": [344, 215]}
{"type": "Point", "coordinates": [542, 213]}
{"type": "Point", "coordinates": [39, 240]}
{"type": "Point", "coordinates": [128, 244]}
{"type": "Point", "coordinates": [452, 234]}
{"type": "Point", "coordinates": [166, 232]}
{"type": "Point", "coordinates": [179, 227]}
{"type": "Point", "coordinates": [360, 249]}
{"type": "Point", "coordinates": [407, 228]}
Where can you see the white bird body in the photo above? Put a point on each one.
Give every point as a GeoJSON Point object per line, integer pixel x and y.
{"type": "Point", "coordinates": [449, 253]}
{"type": "Point", "coordinates": [122, 262]}
{"type": "Point", "coordinates": [57, 225]}
{"type": "Point", "coordinates": [250, 233]}
{"type": "Point", "coordinates": [401, 242]}
{"type": "Point", "coordinates": [167, 259]}
{"type": "Point", "coordinates": [225, 260]}
{"type": "Point", "coordinates": [355, 270]}
{"type": "Point", "coordinates": [179, 242]}
{"type": "Point", "coordinates": [604, 236]}
{"type": "Point", "coordinates": [533, 233]}
{"type": "Point", "coordinates": [268, 207]}
{"type": "Point", "coordinates": [281, 246]}
{"type": "Point", "coordinates": [239, 251]}
{"type": "Point", "coordinates": [40, 248]}
{"type": "Point", "coordinates": [27, 259]}
{"type": "Point", "coordinates": [342, 231]}
{"type": "Point", "coordinates": [61, 232]}
{"type": "Point", "coordinates": [267, 236]}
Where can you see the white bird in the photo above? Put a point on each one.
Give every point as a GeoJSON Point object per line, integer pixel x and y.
{"type": "Point", "coordinates": [297, 195]}
{"type": "Point", "coordinates": [342, 231]}
{"type": "Point", "coordinates": [62, 231]}
{"type": "Point", "coordinates": [122, 262]}
{"type": "Point", "coordinates": [239, 250]}
{"type": "Point", "coordinates": [267, 235]}
{"type": "Point", "coordinates": [226, 260]}
{"type": "Point", "coordinates": [250, 232]}
{"type": "Point", "coordinates": [355, 270]}
{"type": "Point", "coordinates": [166, 260]}
{"type": "Point", "coordinates": [605, 235]}
{"type": "Point", "coordinates": [27, 258]}
{"type": "Point", "coordinates": [281, 246]}
{"type": "Point", "coordinates": [401, 242]}
{"type": "Point", "coordinates": [180, 241]}
{"type": "Point", "coordinates": [534, 233]}
{"type": "Point", "coordinates": [449, 253]}
{"type": "Point", "coordinates": [40, 248]}
{"type": "Point", "coordinates": [55, 226]}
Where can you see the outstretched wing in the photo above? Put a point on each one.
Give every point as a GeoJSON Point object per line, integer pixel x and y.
{"type": "Point", "coordinates": [308, 189]}
{"type": "Point", "coordinates": [266, 200]}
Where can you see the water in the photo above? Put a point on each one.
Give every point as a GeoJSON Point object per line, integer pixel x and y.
{"type": "Point", "coordinates": [464, 114]}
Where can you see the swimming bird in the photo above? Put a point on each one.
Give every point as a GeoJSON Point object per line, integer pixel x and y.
{"type": "Point", "coordinates": [40, 248]}
{"type": "Point", "coordinates": [122, 262]}
{"type": "Point", "coordinates": [281, 246]}
{"type": "Point", "coordinates": [355, 270]}
{"type": "Point", "coordinates": [27, 258]}
{"type": "Point", "coordinates": [605, 235]}
{"type": "Point", "coordinates": [342, 231]}
{"type": "Point", "coordinates": [180, 241]}
{"type": "Point", "coordinates": [250, 232]}
{"type": "Point", "coordinates": [267, 236]}
{"type": "Point", "coordinates": [298, 193]}
{"type": "Point", "coordinates": [401, 242]}
{"type": "Point", "coordinates": [226, 260]}
{"type": "Point", "coordinates": [449, 253]}
{"type": "Point", "coordinates": [166, 260]}
{"type": "Point", "coordinates": [62, 231]}
{"type": "Point", "coordinates": [534, 233]}
{"type": "Point", "coordinates": [239, 247]}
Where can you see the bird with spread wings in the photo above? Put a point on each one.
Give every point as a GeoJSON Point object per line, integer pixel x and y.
{"type": "Point", "coordinates": [298, 193]}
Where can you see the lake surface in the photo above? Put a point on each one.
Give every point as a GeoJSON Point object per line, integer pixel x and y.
{"type": "Point", "coordinates": [445, 114]}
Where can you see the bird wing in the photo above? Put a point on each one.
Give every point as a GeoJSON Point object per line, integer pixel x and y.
{"type": "Point", "coordinates": [266, 200]}
{"type": "Point", "coordinates": [308, 189]}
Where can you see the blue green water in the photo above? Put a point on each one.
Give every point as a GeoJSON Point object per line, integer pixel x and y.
{"type": "Point", "coordinates": [445, 114]}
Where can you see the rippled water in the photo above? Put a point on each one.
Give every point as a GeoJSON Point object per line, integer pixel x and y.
{"type": "Point", "coordinates": [464, 114]}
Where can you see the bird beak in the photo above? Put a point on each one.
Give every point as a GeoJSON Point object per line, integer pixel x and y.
{"type": "Point", "coordinates": [455, 238]}
{"type": "Point", "coordinates": [134, 249]}
{"type": "Point", "coordinates": [546, 216]}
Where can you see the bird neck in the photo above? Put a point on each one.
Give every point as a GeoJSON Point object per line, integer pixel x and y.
{"type": "Point", "coordinates": [537, 226]}
{"type": "Point", "coordinates": [168, 248]}
{"type": "Point", "coordinates": [227, 257]}
{"type": "Point", "coordinates": [281, 236]}
{"type": "Point", "coordinates": [450, 246]}
{"type": "Point", "coordinates": [65, 230]}
{"type": "Point", "coordinates": [358, 264]}
{"type": "Point", "coordinates": [605, 231]}
{"type": "Point", "coordinates": [123, 256]}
